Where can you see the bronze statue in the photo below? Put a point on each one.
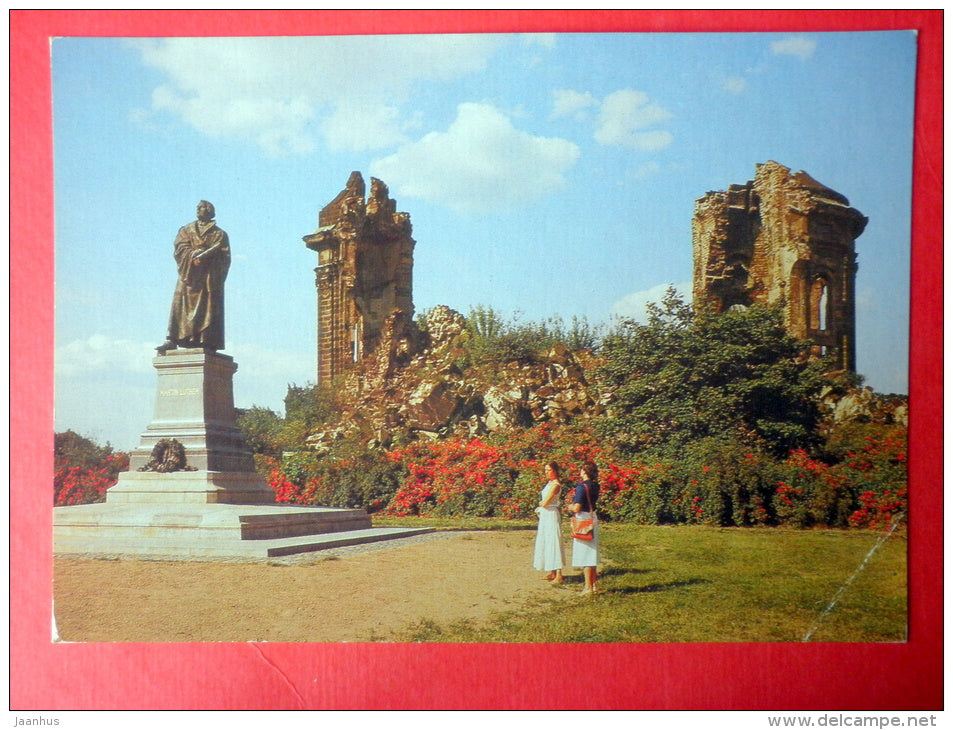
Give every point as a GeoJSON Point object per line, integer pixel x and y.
{"type": "Point", "coordinates": [202, 255]}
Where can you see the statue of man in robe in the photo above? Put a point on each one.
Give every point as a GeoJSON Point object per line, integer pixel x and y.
{"type": "Point", "coordinates": [202, 256]}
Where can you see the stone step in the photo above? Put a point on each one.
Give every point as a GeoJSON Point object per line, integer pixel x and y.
{"type": "Point", "coordinates": [296, 523]}
{"type": "Point", "coordinates": [172, 547]}
{"type": "Point", "coordinates": [211, 530]}
{"type": "Point", "coordinates": [312, 543]}
{"type": "Point", "coordinates": [250, 521]}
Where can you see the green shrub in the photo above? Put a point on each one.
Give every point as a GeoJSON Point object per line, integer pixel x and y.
{"type": "Point", "coordinates": [724, 483]}
{"type": "Point", "coordinates": [811, 493]}
{"type": "Point", "coordinates": [350, 477]}
{"type": "Point", "coordinates": [261, 428]}
{"type": "Point", "coordinates": [494, 340]}
{"type": "Point", "coordinates": [634, 492]}
{"type": "Point", "coordinates": [687, 376]}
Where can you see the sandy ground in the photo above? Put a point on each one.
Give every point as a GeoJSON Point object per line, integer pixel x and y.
{"type": "Point", "coordinates": [373, 593]}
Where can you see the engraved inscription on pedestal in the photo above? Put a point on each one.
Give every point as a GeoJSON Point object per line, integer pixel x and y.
{"type": "Point", "coordinates": [194, 407]}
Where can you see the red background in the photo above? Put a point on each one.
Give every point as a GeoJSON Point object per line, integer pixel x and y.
{"type": "Point", "coordinates": [775, 676]}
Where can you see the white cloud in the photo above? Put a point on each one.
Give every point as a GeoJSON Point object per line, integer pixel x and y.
{"type": "Point", "coordinates": [276, 126]}
{"type": "Point", "coordinates": [624, 117]}
{"type": "Point", "coordinates": [567, 102]}
{"type": "Point", "coordinates": [99, 354]}
{"type": "Point", "coordinates": [651, 141]}
{"type": "Point", "coordinates": [481, 162]}
{"type": "Point", "coordinates": [632, 306]}
{"type": "Point", "coordinates": [104, 388]}
{"type": "Point", "coordinates": [798, 45]}
{"type": "Point", "coordinates": [277, 366]}
{"type": "Point", "coordinates": [357, 128]}
{"type": "Point", "coordinates": [271, 91]}
{"type": "Point", "coordinates": [734, 84]}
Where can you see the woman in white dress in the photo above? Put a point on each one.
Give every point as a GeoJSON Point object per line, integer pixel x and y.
{"type": "Point", "coordinates": [585, 553]}
{"type": "Point", "coordinates": [548, 554]}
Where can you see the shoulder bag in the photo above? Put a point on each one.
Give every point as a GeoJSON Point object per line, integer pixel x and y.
{"type": "Point", "coordinates": [581, 529]}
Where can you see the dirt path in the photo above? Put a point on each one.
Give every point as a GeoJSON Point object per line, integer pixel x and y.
{"type": "Point", "coordinates": [351, 595]}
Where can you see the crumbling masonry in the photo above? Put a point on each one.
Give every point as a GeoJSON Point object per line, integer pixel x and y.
{"type": "Point", "coordinates": [365, 272]}
{"type": "Point", "coordinates": [782, 236]}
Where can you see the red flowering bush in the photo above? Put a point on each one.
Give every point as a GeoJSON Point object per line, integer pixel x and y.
{"type": "Point", "coordinates": [866, 488]}
{"type": "Point", "coordinates": [636, 492]}
{"type": "Point", "coordinates": [878, 473]}
{"type": "Point", "coordinates": [82, 470]}
{"type": "Point", "coordinates": [721, 482]}
{"type": "Point", "coordinates": [499, 476]}
{"type": "Point", "coordinates": [878, 511]}
{"type": "Point", "coordinates": [811, 493]}
{"type": "Point", "coordinates": [712, 481]}
{"type": "Point", "coordinates": [85, 485]}
{"type": "Point", "coordinates": [457, 477]}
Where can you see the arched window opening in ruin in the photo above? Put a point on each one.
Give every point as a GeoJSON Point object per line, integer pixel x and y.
{"type": "Point", "coordinates": [793, 244]}
{"type": "Point", "coordinates": [820, 303]}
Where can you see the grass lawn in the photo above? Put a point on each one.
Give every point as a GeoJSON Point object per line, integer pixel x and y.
{"type": "Point", "coordinates": [706, 584]}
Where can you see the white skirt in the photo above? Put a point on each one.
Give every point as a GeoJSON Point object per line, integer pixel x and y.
{"type": "Point", "coordinates": [548, 552]}
{"type": "Point", "coordinates": [585, 553]}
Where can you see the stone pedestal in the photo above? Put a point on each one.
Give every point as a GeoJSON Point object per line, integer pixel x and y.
{"type": "Point", "coordinates": [195, 406]}
{"type": "Point", "coordinates": [216, 508]}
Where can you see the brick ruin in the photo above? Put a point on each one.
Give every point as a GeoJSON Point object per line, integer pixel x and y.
{"type": "Point", "coordinates": [364, 273]}
{"type": "Point", "coordinates": [782, 236]}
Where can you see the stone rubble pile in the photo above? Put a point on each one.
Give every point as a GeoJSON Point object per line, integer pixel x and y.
{"type": "Point", "coordinates": [416, 385]}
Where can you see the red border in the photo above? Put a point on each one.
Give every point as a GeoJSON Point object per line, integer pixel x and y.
{"type": "Point", "coordinates": [776, 677]}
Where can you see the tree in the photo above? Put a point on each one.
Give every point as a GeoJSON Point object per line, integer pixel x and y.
{"type": "Point", "coordinates": [71, 449]}
{"type": "Point", "coordinates": [83, 470]}
{"type": "Point", "coordinates": [689, 375]}
{"type": "Point", "coordinates": [261, 428]}
{"type": "Point", "coordinates": [310, 404]}
{"type": "Point", "coordinates": [306, 407]}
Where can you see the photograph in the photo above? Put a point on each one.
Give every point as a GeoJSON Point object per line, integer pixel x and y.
{"type": "Point", "coordinates": [376, 339]}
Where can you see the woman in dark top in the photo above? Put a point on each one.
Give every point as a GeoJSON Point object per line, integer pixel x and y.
{"type": "Point", "coordinates": [585, 553]}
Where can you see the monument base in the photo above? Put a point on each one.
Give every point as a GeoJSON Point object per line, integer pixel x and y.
{"type": "Point", "coordinates": [190, 531]}
{"type": "Point", "coordinates": [194, 487]}
{"type": "Point", "coordinates": [213, 505]}
{"type": "Point", "coordinates": [195, 406]}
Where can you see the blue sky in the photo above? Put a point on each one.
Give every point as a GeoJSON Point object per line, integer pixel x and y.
{"type": "Point", "coordinates": [543, 174]}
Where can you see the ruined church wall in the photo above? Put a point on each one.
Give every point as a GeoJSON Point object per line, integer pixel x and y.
{"type": "Point", "coordinates": [364, 273]}
{"type": "Point", "coordinates": [781, 237]}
